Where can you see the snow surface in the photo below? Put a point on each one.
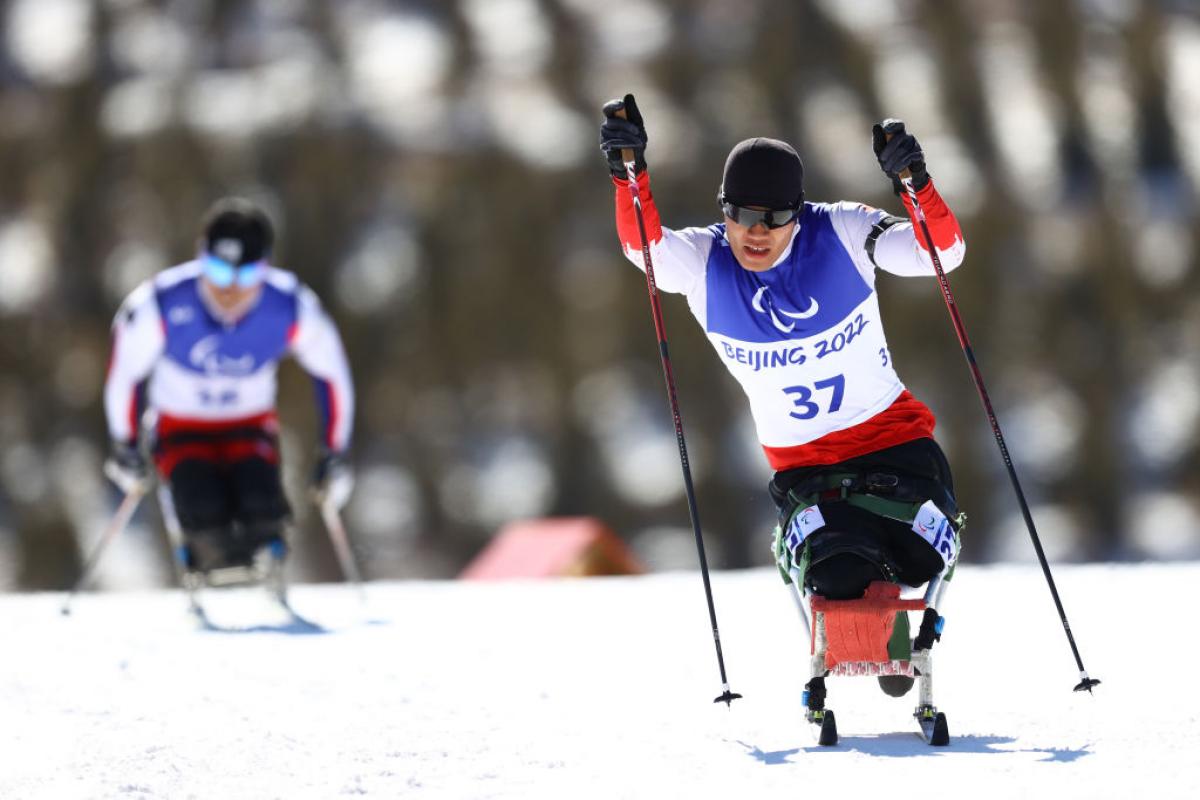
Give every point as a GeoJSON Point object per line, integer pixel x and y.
{"type": "Point", "coordinates": [589, 688]}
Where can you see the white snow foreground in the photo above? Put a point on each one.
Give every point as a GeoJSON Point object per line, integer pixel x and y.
{"type": "Point", "coordinates": [591, 688]}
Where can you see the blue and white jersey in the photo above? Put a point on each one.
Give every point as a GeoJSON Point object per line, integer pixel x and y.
{"type": "Point", "coordinates": [804, 339]}
{"type": "Point", "coordinates": [195, 366]}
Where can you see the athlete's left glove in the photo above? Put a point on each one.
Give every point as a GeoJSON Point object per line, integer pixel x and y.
{"type": "Point", "coordinates": [333, 479]}
{"type": "Point", "coordinates": [900, 152]}
{"type": "Point", "coordinates": [617, 134]}
{"type": "Point", "coordinates": [126, 467]}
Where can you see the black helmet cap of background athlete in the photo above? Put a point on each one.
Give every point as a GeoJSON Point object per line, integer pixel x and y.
{"type": "Point", "coordinates": [237, 231]}
{"type": "Point", "coordinates": [763, 172]}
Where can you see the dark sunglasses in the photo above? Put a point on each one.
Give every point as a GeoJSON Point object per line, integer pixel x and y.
{"type": "Point", "coordinates": [776, 218]}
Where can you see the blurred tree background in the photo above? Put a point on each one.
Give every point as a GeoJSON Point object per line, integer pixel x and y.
{"type": "Point", "coordinates": [434, 173]}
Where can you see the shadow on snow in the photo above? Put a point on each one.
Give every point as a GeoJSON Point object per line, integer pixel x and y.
{"type": "Point", "coordinates": [892, 745]}
{"type": "Point", "coordinates": [294, 625]}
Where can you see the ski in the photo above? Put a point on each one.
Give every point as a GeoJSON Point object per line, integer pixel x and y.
{"type": "Point", "coordinates": [200, 617]}
{"type": "Point", "coordinates": [933, 727]}
{"type": "Point", "coordinates": [823, 726]}
{"type": "Point", "coordinates": [291, 622]}
{"type": "Point", "coordinates": [267, 573]}
{"type": "Point", "coordinates": [297, 619]}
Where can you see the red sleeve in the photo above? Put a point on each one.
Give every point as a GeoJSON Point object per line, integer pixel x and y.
{"type": "Point", "coordinates": [943, 227]}
{"type": "Point", "coordinates": [627, 228]}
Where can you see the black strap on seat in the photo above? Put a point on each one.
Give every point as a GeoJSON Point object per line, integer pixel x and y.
{"type": "Point", "coordinates": [876, 231]}
{"type": "Point", "coordinates": [885, 487]}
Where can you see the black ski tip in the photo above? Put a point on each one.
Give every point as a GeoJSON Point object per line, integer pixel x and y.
{"type": "Point", "coordinates": [727, 698]}
{"type": "Point", "coordinates": [940, 737]}
{"type": "Point", "coordinates": [65, 611]}
{"type": "Point", "coordinates": [1086, 685]}
{"type": "Point", "coordinates": [828, 736]}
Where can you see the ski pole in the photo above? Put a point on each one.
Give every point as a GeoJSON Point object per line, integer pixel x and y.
{"type": "Point", "coordinates": [340, 541]}
{"type": "Point", "coordinates": [1085, 683]}
{"type": "Point", "coordinates": [627, 156]}
{"type": "Point", "coordinates": [120, 519]}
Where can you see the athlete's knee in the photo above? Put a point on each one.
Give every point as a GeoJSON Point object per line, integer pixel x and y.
{"type": "Point", "coordinates": [198, 494]}
{"type": "Point", "coordinates": [845, 576]}
{"type": "Point", "coordinates": [259, 492]}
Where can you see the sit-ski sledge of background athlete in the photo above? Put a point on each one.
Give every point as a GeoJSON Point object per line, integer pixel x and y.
{"type": "Point", "coordinates": [198, 345]}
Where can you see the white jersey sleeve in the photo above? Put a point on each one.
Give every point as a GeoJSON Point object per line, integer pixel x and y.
{"type": "Point", "coordinates": [679, 258]}
{"type": "Point", "coordinates": [895, 248]}
{"type": "Point", "coordinates": [137, 344]}
{"type": "Point", "coordinates": [680, 262]}
{"type": "Point", "coordinates": [318, 349]}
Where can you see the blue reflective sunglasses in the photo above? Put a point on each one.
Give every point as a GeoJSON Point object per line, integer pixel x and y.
{"type": "Point", "coordinates": [222, 274]}
{"type": "Point", "coordinates": [772, 218]}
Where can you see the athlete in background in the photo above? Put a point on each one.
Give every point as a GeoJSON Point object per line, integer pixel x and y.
{"type": "Point", "coordinates": [198, 346]}
{"type": "Point", "coordinates": [785, 291]}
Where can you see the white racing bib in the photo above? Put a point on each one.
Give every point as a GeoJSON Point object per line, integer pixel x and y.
{"type": "Point", "coordinates": [802, 389]}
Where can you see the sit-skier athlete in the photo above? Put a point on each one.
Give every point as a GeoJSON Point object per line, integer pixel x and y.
{"type": "Point", "coordinates": [785, 291]}
{"type": "Point", "coordinates": [198, 346]}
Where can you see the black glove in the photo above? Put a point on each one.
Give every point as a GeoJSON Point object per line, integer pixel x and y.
{"type": "Point", "coordinates": [901, 152]}
{"type": "Point", "coordinates": [618, 134]}
{"type": "Point", "coordinates": [127, 467]}
{"type": "Point", "coordinates": [333, 479]}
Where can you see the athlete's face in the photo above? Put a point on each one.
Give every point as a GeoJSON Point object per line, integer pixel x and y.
{"type": "Point", "coordinates": [758, 247]}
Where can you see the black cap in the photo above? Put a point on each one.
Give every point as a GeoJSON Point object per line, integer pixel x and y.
{"type": "Point", "coordinates": [237, 231]}
{"type": "Point", "coordinates": [763, 172]}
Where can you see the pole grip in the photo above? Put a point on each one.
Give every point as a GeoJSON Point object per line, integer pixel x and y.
{"type": "Point", "coordinates": [626, 153]}
{"type": "Point", "coordinates": [905, 173]}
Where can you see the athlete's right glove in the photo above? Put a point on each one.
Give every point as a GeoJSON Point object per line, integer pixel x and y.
{"type": "Point", "coordinates": [126, 467]}
{"type": "Point", "coordinates": [617, 134]}
{"type": "Point", "coordinates": [898, 153]}
{"type": "Point", "coordinates": [333, 479]}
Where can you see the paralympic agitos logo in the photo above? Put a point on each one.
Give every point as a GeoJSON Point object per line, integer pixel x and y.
{"type": "Point", "coordinates": [205, 355]}
{"type": "Point", "coordinates": [764, 303]}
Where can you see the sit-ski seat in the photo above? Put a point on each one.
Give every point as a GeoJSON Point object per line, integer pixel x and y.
{"type": "Point", "coordinates": [870, 636]}
{"type": "Point", "coordinates": [866, 636]}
